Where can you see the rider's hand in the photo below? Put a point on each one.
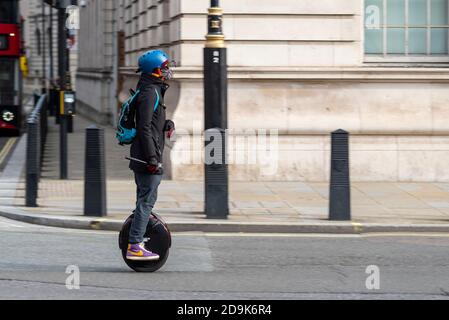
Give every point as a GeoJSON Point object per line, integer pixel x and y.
{"type": "Point", "coordinates": [152, 169]}
{"type": "Point", "coordinates": [169, 128]}
{"type": "Point", "coordinates": [152, 166]}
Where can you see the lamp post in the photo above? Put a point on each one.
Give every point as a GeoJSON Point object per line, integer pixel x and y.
{"type": "Point", "coordinates": [44, 67]}
{"type": "Point", "coordinates": [53, 89]}
{"type": "Point", "coordinates": [215, 116]}
{"type": "Point", "coordinates": [66, 96]}
{"type": "Point", "coordinates": [50, 43]}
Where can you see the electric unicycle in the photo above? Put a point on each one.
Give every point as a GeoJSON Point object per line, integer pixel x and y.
{"type": "Point", "coordinates": [157, 239]}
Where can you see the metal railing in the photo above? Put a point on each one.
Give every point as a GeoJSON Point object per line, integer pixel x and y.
{"type": "Point", "coordinates": [37, 127]}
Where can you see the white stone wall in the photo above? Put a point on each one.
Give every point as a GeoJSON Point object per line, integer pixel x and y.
{"type": "Point", "coordinates": [97, 62]}
{"type": "Point", "coordinates": [265, 33]}
{"type": "Point", "coordinates": [32, 12]}
{"type": "Point", "coordinates": [298, 66]}
{"type": "Point", "coordinates": [258, 33]}
{"type": "Point", "coordinates": [97, 32]}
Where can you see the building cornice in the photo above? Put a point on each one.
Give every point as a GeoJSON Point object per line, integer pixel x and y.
{"type": "Point", "coordinates": [359, 74]}
{"type": "Point", "coordinates": [99, 74]}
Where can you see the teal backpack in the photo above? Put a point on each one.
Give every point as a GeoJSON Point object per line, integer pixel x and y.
{"type": "Point", "coordinates": [126, 126]}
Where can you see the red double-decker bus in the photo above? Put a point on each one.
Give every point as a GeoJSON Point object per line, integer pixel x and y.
{"type": "Point", "coordinates": [10, 74]}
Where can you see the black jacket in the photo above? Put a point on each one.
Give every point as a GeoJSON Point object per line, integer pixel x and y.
{"type": "Point", "coordinates": [150, 123]}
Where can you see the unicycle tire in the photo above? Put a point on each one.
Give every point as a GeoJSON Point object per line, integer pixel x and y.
{"type": "Point", "coordinates": [159, 241]}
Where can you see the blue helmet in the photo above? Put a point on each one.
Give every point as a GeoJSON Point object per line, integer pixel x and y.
{"type": "Point", "coordinates": [151, 60]}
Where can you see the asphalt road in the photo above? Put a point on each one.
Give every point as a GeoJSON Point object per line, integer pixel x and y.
{"type": "Point", "coordinates": [205, 266]}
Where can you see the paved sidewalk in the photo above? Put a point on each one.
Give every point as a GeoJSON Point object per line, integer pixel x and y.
{"type": "Point", "coordinates": [251, 202]}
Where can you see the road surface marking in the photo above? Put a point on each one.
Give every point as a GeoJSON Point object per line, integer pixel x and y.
{"type": "Point", "coordinates": [6, 149]}
{"type": "Point", "coordinates": [278, 235]}
{"type": "Point", "coordinates": [313, 235]}
{"type": "Point", "coordinates": [8, 224]}
{"type": "Point", "coordinates": [407, 234]}
{"type": "Point", "coordinates": [42, 228]}
{"type": "Point", "coordinates": [358, 227]}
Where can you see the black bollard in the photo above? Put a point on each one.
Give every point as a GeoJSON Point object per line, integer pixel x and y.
{"type": "Point", "coordinates": [58, 107]}
{"type": "Point", "coordinates": [70, 124]}
{"type": "Point", "coordinates": [95, 173]}
{"type": "Point", "coordinates": [53, 102]}
{"type": "Point", "coordinates": [32, 163]}
{"type": "Point", "coordinates": [216, 175]}
{"type": "Point", "coordinates": [339, 195]}
{"type": "Point", "coordinates": [63, 148]}
{"type": "Point", "coordinates": [216, 114]}
{"type": "Point", "coordinates": [36, 97]}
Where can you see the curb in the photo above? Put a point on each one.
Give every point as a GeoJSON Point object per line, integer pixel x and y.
{"type": "Point", "coordinates": [219, 226]}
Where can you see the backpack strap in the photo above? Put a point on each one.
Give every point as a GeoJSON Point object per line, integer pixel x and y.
{"type": "Point", "coordinates": [135, 93]}
{"type": "Point", "coordinates": [157, 100]}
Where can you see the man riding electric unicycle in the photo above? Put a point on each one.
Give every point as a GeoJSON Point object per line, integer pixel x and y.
{"type": "Point", "coordinates": [145, 239]}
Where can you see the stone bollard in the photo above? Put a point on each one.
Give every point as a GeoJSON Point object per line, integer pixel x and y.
{"type": "Point", "coordinates": [95, 173]}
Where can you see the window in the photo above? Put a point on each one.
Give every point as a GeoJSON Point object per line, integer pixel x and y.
{"type": "Point", "coordinates": [406, 30]}
{"type": "Point", "coordinates": [38, 40]}
{"type": "Point", "coordinates": [8, 11]}
{"type": "Point", "coordinates": [7, 81]}
{"type": "Point", "coordinates": [4, 43]}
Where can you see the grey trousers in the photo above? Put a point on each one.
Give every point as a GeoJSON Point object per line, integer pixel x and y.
{"type": "Point", "coordinates": [146, 197]}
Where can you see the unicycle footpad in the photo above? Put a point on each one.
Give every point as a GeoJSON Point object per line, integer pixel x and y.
{"type": "Point", "coordinates": [159, 241]}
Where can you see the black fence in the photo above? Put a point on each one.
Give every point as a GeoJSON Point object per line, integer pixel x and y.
{"type": "Point", "coordinates": [37, 127]}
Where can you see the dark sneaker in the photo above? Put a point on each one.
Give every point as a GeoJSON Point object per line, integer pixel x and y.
{"type": "Point", "coordinates": [138, 252]}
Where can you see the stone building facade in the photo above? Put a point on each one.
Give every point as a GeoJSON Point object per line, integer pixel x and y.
{"type": "Point", "coordinates": [97, 65]}
{"type": "Point", "coordinates": [376, 68]}
{"type": "Point", "coordinates": [37, 45]}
